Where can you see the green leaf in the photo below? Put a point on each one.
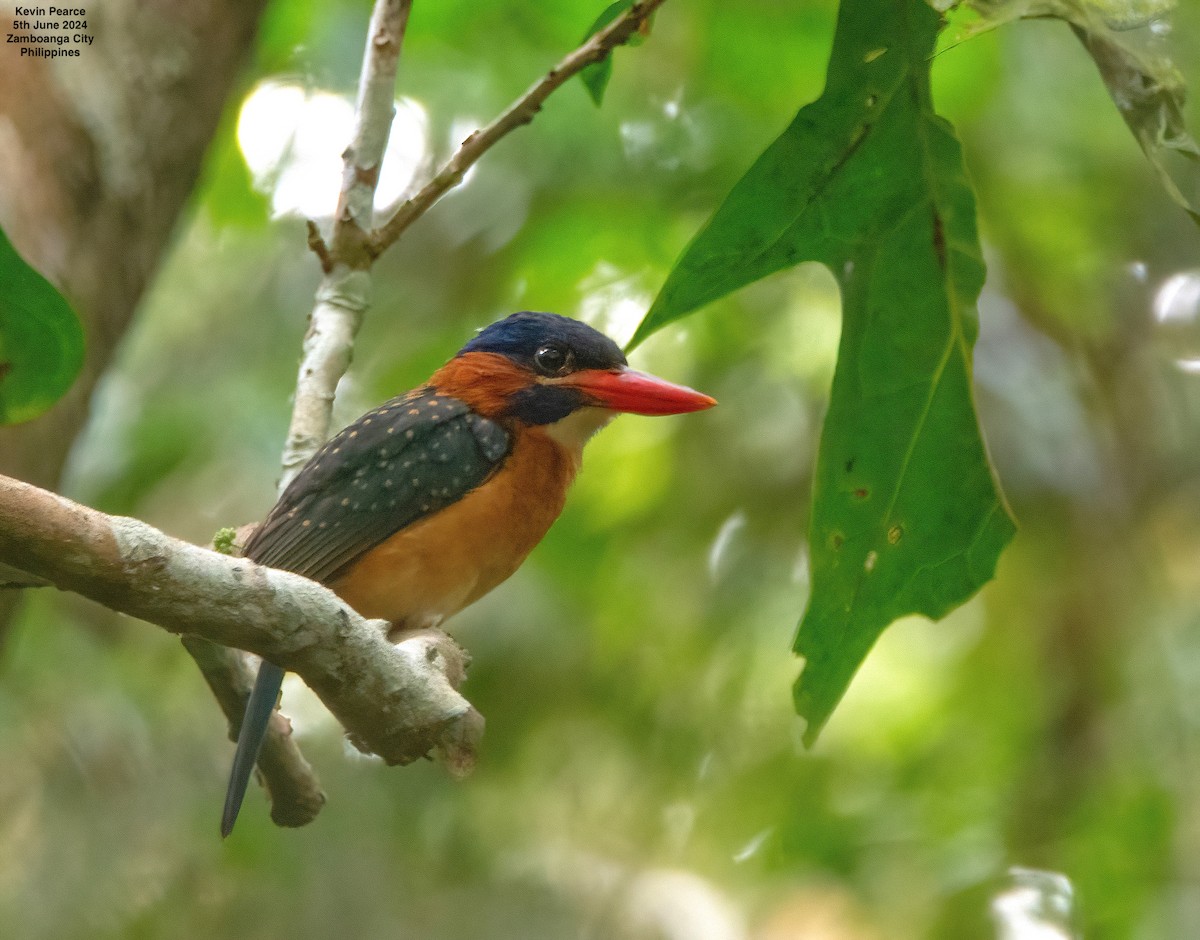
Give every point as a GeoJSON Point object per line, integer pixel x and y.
{"type": "Point", "coordinates": [907, 517]}
{"type": "Point", "coordinates": [595, 77]}
{"type": "Point", "coordinates": [41, 340]}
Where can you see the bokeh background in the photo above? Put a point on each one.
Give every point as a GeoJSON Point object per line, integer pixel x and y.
{"type": "Point", "coordinates": [642, 774]}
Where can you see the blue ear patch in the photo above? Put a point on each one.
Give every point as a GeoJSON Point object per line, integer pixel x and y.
{"type": "Point", "coordinates": [544, 404]}
{"type": "Point", "coordinates": [520, 335]}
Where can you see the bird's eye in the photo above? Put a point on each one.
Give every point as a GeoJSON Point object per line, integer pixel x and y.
{"type": "Point", "coordinates": [552, 359]}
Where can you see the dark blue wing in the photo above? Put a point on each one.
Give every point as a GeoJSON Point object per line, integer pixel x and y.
{"type": "Point", "coordinates": [408, 458]}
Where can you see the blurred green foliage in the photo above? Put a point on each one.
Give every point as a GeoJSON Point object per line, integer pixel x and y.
{"type": "Point", "coordinates": [641, 751]}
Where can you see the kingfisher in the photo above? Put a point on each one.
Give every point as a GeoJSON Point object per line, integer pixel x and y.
{"type": "Point", "coordinates": [423, 505]}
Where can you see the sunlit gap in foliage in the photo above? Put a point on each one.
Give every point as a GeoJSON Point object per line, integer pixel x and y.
{"type": "Point", "coordinates": [1177, 315]}
{"type": "Point", "coordinates": [668, 139]}
{"type": "Point", "coordinates": [1037, 905]}
{"type": "Point", "coordinates": [292, 139]}
{"type": "Point", "coordinates": [614, 301]}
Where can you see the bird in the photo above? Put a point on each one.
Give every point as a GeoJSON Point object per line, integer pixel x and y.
{"type": "Point", "coordinates": [426, 503]}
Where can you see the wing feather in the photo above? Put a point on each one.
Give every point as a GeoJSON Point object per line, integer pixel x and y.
{"type": "Point", "coordinates": [412, 456]}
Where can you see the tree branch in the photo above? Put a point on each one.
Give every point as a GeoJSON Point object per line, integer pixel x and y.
{"type": "Point", "coordinates": [395, 701]}
{"type": "Point", "coordinates": [374, 112]}
{"type": "Point", "coordinates": [344, 293]}
{"type": "Point", "coordinates": [520, 112]}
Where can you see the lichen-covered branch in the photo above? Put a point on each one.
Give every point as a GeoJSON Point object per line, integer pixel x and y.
{"type": "Point", "coordinates": [345, 291]}
{"type": "Point", "coordinates": [396, 701]}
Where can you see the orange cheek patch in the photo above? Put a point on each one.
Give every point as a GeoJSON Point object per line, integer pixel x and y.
{"type": "Point", "coordinates": [485, 381]}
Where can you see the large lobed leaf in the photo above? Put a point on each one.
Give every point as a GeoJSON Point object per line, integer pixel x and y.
{"type": "Point", "coordinates": [907, 517]}
{"type": "Point", "coordinates": [41, 340]}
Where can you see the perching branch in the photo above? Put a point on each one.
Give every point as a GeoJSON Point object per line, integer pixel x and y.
{"type": "Point", "coordinates": [396, 701]}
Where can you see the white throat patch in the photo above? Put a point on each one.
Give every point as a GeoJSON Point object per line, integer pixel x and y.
{"type": "Point", "coordinates": [577, 428]}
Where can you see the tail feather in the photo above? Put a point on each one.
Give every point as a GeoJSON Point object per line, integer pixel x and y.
{"type": "Point", "coordinates": [250, 739]}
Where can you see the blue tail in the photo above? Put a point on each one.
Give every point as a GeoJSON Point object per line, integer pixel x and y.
{"type": "Point", "coordinates": [250, 739]}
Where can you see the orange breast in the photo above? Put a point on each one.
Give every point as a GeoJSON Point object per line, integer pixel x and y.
{"type": "Point", "coordinates": [438, 565]}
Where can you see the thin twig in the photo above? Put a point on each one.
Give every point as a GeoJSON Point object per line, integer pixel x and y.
{"type": "Point", "coordinates": [521, 112]}
{"type": "Point", "coordinates": [316, 244]}
{"type": "Point", "coordinates": [374, 111]}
